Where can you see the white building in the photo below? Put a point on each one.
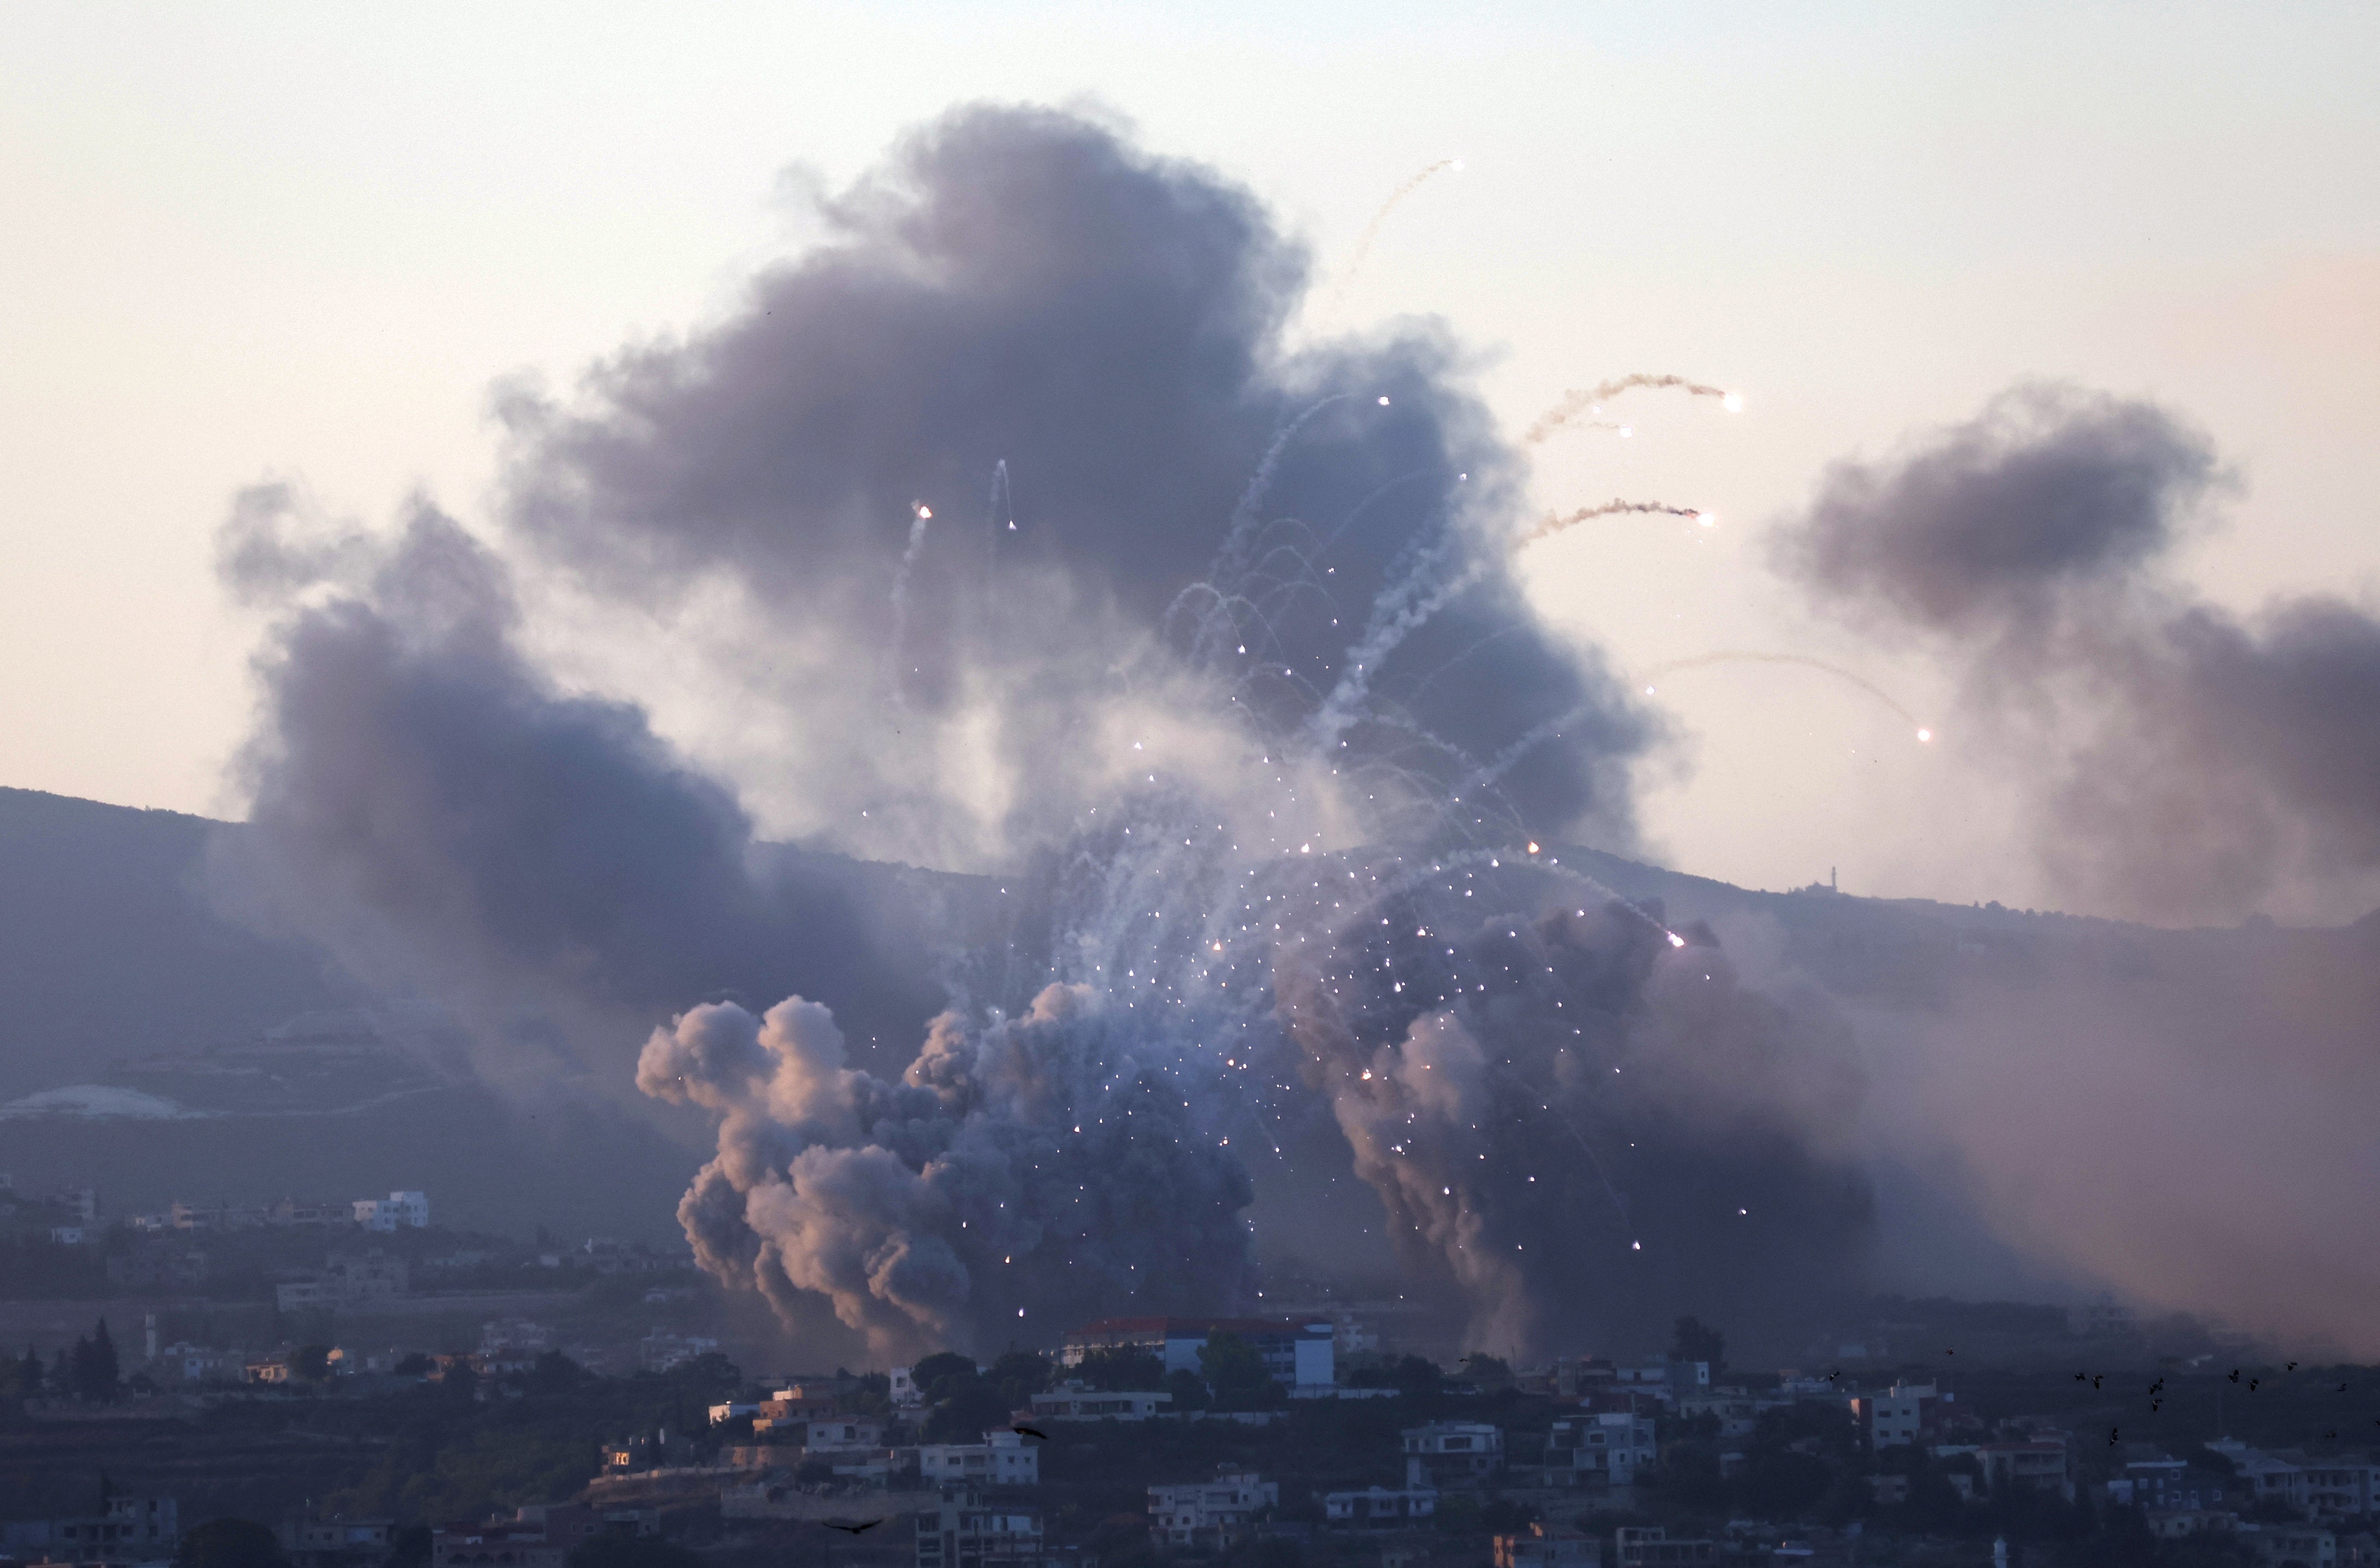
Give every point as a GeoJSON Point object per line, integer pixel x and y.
{"type": "Point", "coordinates": [1898, 1417]}
{"type": "Point", "coordinates": [965, 1532]}
{"type": "Point", "coordinates": [1451, 1452]}
{"type": "Point", "coordinates": [1610, 1447]}
{"type": "Point", "coordinates": [844, 1434]}
{"type": "Point", "coordinates": [1297, 1352]}
{"type": "Point", "coordinates": [1076, 1403]}
{"type": "Point", "coordinates": [1210, 1514]}
{"type": "Point", "coordinates": [1544, 1546]}
{"type": "Point", "coordinates": [1380, 1505]}
{"type": "Point", "coordinates": [1003, 1459]}
{"type": "Point", "coordinates": [409, 1209]}
{"type": "Point", "coordinates": [2341, 1487]}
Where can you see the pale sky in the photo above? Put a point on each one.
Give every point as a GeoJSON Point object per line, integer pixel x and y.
{"type": "Point", "coordinates": [253, 241]}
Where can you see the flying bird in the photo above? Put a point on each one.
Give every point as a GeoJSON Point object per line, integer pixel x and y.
{"type": "Point", "coordinates": [2252, 1382]}
{"type": "Point", "coordinates": [2096, 1382]}
{"type": "Point", "coordinates": [1031, 1432]}
{"type": "Point", "coordinates": [2111, 1436]}
{"type": "Point", "coordinates": [2082, 1376]}
{"type": "Point", "coordinates": [2235, 1374]}
{"type": "Point", "coordinates": [2290, 1368]}
{"type": "Point", "coordinates": [851, 1526]}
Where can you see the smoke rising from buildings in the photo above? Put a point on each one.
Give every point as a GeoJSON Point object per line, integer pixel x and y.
{"type": "Point", "coordinates": [2181, 762]}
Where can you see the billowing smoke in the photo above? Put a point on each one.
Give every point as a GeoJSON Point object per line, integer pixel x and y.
{"type": "Point", "coordinates": [1579, 1121]}
{"type": "Point", "coordinates": [1022, 1175]}
{"type": "Point", "coordinates": [1022, 294]}
{"type": "Point", "coordinates": [2180, 763]}
{"type": "Point", "coordinates": [434, 811]}
{"type": "Point", "coordinates": [1209, 646]}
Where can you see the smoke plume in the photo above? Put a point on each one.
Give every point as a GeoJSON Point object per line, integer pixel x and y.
{"type": "Point", "coordinates": [2190, 764]}
{"type": "Point", "coordinates": [1210, 647]}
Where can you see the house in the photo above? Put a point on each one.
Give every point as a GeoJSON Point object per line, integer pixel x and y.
{"type": "Point", "coordinates": [1607, 1447]}
{"type": "Point", "coordinates": [1544, 1546]}
{"type": "Point", "coordinates": [1072, 1402]}
{"type": "Point", "coordinates": [2181, 1524]}
{"type": "Point", "coordinates": [539, 1536]}
{"type": "Point", "coordinates": [1209, 1514]}
{"type": "Point", "coordinates": [408, 1209]}
{"type": "Point", "coordinates": [2341, 1487]}
{"type": "Point", "coordinates": [1003, 1459]}
{"type": "Point", "coordinates": [1452, 1453]}
{"type": "Point", "coordinates": [1734, 1409]}
{"type": "Point", "coordinates": [1904, 1414]}
{"type": "Point", "coordinates": [2266, 1477]}
{"type": "Point", "coordinates": [1297, 1352]}
{"type": "Point", "coordinates": [348, 1279]}
{"type": "Point", "coordinates": [308, 1542]}
{"type": "Point", "coordinates": [2292, 1546]}
{"type": "Point", "coordinates": [128, 1529]}
{"type": "Point", "coordinates": [965, 1532]}
{"type": "Point", "coordinates": [1638, 1546]}
{"type": "Point", "coordinates": [2042, 1465]}
{"type": "Point", "coordinates": [1379, 1506]}
{"type": "Point", "coordinates": [846, 1435]}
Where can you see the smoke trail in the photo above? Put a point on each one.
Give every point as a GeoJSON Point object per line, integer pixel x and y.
{"type": "Point", "coordinates": [1555, 523]}
{"type": "Point", "coordinates": [1573, 404]}
{"type": "Point", "coordinates": [1734, 656]}
{"type": "Point", "coordinates": [919, 515]}
{"type": "Point", "coordinates": [1372, 230]}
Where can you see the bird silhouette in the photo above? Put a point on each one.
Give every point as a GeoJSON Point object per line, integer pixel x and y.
{"type": "Point", "coordinates": [2158, 1387]}
{"type": "Point", "coordinates": [1949, 1352]}
{"type": "Point", "coordinates": [2082, 1376]}
{"type": "Point", "coordinates": [2252, 1382]}
{"type": "Point", "coordinates": [2342, 1388]}
{"type": "Point", "coordinates": [2235, 1374]}
{"type": "Point", "coordinates": [851, 1526]}
{"type": "Point", "coordinates": [1031, 1432]}
{"type": "Point", "coordinates": [2096, 1382]}
{"type": "Point", "coordinates": [2330, 1434]}
{"type": "Point", "coordinates": [2112, 1432]}
{"type": "Point", "coordinates": [2155, 1405]}
{"type": "Point", "coordinates": [2290, 1368]}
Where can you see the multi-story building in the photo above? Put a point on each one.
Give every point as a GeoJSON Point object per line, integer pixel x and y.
{"type": "Point", "coordinates": [1379, 1506]}
{"type": "Point", "coordinates": [537, 1536]}
{"type": "Point", "coordinates": [1210, 1514]}
{"type": "Point", "coordinates": [409, 1208]}
{"type": "Point", "coordinates": [1297, 1351]}
{"type": "Point", "coordinates": [1452, 1453]}
{"type": "Point", "coordinates": [2043, 1464]}
{"type": "Point", "coordinates": [1734, 1409]}
{"type": "Point", "coordinates": [2341, 1487]}
{"type": "Point", "coordinates": [1544, 1545]}
{"type": "Point", "coordinates": [1904, 1414]}
{"type": "Point", "coordinates": [1607, 1447]}
{"type": "Point", "coordinates": [966, 1532]}
{"type": "Point", "coordinates": [2292, 1546]}
{"type": "Point", "coordinates": [308, 1542]}
{"type": "Point", "coordinates": [1003, 1459]}
{"type": "Point", "coordinates": [1646, 1545]}
{"type": "Point", "coordinates": [1072, 1402]}
{"type": "Point", "coordinates": [129, 1529]}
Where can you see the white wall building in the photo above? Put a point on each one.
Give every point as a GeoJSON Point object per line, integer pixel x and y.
{"type": "Point", "coordinates": [1209, 1514]}
{"type": "Point", "coordinates": [408, 1209]}
{"type": "Point", "coordinates": [1609, 1446]}
{"type": "Point", "coordinates": [1003, 1459]}
{"type": "Point", "coordinates": [1451, 1452]}
{"type": "Point", "coordinates": [1380, 1505]}
{"type": "Point", "coordinates": [1075, 1402]}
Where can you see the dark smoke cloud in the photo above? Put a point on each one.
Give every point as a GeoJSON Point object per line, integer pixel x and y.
{"type": "Point", "coordinates": [1250, 670]}
{"type": "Point", "coordinates": [2181, 763]}
{"type": "Point", "coordinates": [426, 801]}
{"type": "Point", "coordinates": [1583, 1126]}
{"type": "Point", "coordinates": [1021, 1177]}
{"type": "Point", "coordinates": [1022, 292]}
